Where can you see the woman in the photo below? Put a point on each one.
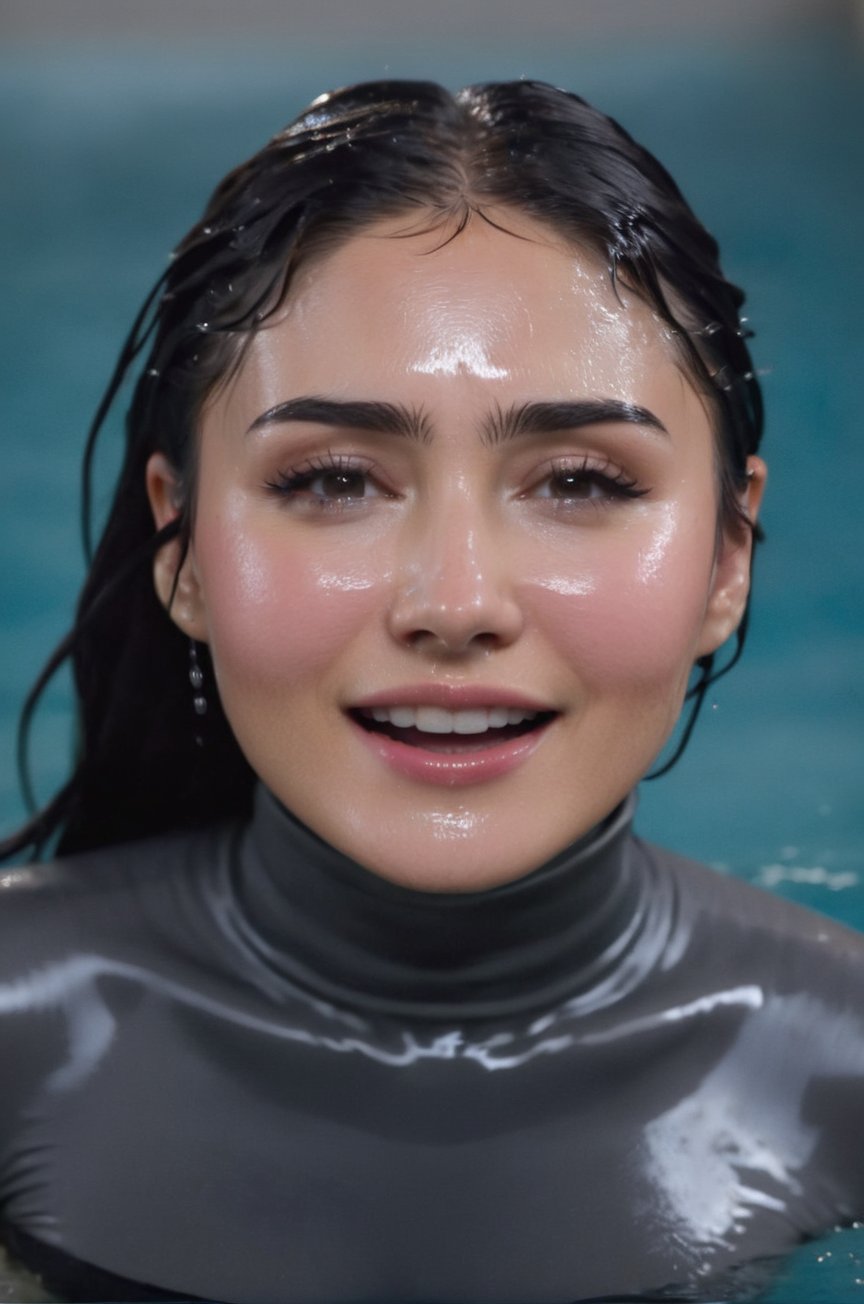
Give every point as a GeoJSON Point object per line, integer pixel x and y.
{"type": "Point", "coordinates": [350, 981]}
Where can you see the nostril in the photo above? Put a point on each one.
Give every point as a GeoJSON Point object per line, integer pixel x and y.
{"type": "Point", "coordinates": [453, 642]}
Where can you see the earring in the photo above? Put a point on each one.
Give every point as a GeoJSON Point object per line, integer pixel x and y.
{"type": "Point", "coordinates": [196, 679]}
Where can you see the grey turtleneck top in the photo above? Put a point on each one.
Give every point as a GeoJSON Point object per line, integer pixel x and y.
{"type": "Point", "coordinates": [235, 1065]}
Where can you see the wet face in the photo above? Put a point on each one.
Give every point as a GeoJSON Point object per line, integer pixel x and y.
{"type": "Point", "coordinates": [455, 549]}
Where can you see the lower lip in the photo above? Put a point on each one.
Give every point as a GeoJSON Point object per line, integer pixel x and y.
{"type": "Point", "coordinates": [452, 769]}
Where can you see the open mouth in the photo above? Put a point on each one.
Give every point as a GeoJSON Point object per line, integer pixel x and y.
{"type": "Point", "coordinates": [435, 729]}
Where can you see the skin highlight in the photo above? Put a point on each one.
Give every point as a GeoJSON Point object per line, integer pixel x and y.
{"type": "Point", "coordinates": [456, 559]}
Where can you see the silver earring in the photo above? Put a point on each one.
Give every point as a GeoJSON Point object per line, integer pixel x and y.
{"type": "Point", "coordinates": [196, 679]}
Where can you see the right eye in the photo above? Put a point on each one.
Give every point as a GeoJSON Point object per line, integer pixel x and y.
{"type": "Point", "coordinates": [326, 484]}
{"type": "Point", "coordinates": [334, 484]}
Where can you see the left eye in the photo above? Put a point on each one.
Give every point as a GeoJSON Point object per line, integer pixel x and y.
{"type": "Point", "coordinates": [584, 483]}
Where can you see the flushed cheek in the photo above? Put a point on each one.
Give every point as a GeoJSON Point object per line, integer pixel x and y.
{"type": "Point", "coordinates": [276, 612]}
{"type": "Point", "coordinates": [625, 616]}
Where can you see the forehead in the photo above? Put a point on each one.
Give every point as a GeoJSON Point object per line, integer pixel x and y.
{"type": "Point", "coordinates": [488, 314]}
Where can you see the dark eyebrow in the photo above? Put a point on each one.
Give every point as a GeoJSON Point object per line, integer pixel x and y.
{"type": "Point", "coordinates": [355, 414]}
{"type": "Point", "coordinates": [547, 418]}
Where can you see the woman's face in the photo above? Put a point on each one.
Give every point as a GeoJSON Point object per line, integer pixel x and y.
{"type": "Point", "coordinates": [456, 549]}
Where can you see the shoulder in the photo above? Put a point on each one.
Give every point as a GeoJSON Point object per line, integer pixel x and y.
{"type": "Point", "coordinates": [722, 894]}
{"type": "Point", "coordinates": [736, 930]}
{"type": "Point", "coordinates": [778, 991]}
{"type": "Point", "coordinates": [104, 871]}
{"type": "Point", "coordinates": [103, 898]}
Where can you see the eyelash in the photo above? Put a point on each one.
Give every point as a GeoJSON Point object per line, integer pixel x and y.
{"type": "Point", "coordinates": [614, 483]}
{"type": "Point", "coordinates": [295, 483]}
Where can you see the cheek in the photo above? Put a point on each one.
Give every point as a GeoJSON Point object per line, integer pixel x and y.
{"type": "Point", "coordinates": [276, 609]}
{"type": "Point", "coordinates": [627, 609]}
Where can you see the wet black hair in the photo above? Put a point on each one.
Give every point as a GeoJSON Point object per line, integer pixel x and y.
{"type": "Point", "coordinates": [352, 158]}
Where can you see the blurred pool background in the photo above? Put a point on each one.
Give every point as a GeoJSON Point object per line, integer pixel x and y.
{"type": "Point", "coordinates": [115, 122]}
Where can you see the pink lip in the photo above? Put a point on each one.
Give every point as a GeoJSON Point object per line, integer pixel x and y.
{"type": "Point", "coordinates": [451, 697]}
{"type": "Point", "coordinates": [451, 769]}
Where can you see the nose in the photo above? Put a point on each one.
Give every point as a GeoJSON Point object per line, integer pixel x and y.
{"type": "Point", "coordinates": [455, 592]}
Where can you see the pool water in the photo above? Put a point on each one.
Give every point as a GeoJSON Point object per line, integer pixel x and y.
{"type": "Point", "coordinates": [111, 154]}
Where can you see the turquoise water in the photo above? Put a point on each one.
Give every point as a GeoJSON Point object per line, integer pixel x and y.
{"type": "Point", "coordinates": [107, 157]}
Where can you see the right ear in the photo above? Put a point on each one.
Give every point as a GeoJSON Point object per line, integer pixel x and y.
{"type": "Point", "coordinates": [178, 587]}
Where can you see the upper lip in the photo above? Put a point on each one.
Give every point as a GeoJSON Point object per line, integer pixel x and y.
{"type": "Point", "coordinates": [451, 697]}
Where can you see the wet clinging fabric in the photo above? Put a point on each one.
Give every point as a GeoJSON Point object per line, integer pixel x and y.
{"type": "Point", "coordinates": [238, 1066]}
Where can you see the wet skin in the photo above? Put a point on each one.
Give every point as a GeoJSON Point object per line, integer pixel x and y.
{"type": "Point", "coordinates": [574, 568]}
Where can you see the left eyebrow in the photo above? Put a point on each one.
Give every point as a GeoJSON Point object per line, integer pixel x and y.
{"type": "Point", "coordinates": [353, 414]}
{"type": "Point", "coordinates": [548, 418]}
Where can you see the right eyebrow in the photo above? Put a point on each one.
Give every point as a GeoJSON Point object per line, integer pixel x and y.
{"type": "Point", "coordinates": [354, 414]}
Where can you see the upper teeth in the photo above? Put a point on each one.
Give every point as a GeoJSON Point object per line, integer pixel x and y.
{"type": "Point", "coordinates": [434, 719]}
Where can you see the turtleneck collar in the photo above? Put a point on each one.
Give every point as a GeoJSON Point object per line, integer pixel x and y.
{"type": "Point", "coordinates": [351, 937]}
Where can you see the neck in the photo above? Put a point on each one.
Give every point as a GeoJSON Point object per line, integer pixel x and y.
{"type": "Point", "coordinates": [563, 932]}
